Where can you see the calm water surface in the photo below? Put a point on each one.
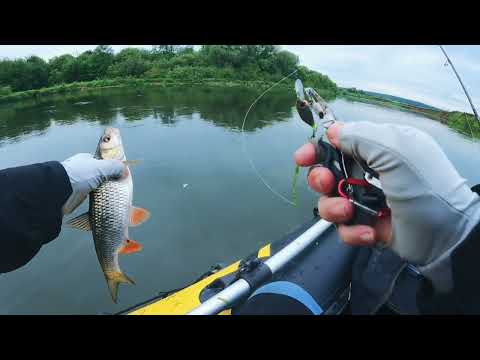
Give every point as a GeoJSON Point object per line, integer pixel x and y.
{"type": "Point", "coordinates": [207, 204]}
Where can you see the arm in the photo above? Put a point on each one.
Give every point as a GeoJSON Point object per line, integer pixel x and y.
{"type": "Point", "coordinates": [35, 197]}
{"type": "Point", "coordinates": [435, 215]}
{"type": "Point", "coordinates": [31, 201]}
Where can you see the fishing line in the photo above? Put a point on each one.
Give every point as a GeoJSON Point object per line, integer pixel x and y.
{"type": "Point", "coordinates": [245, 148]}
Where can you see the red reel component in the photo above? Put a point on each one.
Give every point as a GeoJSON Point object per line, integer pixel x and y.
{"type": "Point", "coordinates": [350, 181]}
{"type": "Point", "coordinates": [382, 213]}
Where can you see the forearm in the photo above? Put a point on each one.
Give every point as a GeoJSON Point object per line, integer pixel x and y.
{"type": "Point", "coordinates": [32, 197]}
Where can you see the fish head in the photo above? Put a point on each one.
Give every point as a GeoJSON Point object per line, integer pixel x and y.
{"type": "Point", "coordinates": [110, 146]}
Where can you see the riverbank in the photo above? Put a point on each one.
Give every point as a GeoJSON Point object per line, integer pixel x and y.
{"type": "Point", "coordinates": [117, 83]}
{"type": "Point", "coordinates": [461, 122]}
{"type": "Point", "coordinates": [83, 87]}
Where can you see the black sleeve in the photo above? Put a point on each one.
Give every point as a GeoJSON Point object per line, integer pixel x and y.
{"type": "Point", "coordinates": [31, 200]}
{"type": "Point", "coordinates": [465, 296]}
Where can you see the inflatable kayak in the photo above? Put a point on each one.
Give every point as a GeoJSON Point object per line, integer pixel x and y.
{"type": "Point", "coordinates": [317, 281]}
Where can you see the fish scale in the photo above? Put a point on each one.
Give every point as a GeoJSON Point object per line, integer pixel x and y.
{"type": "Point", "coordinates": [109, 209]}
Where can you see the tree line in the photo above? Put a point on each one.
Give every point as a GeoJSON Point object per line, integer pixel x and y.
{"type": "Point", "coordinates": [173, 62]}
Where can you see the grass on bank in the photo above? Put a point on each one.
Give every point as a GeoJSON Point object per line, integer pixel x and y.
{"type": "Point", "coordinates": [6, 96]}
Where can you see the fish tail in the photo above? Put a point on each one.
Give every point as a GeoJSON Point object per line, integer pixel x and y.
{"type": "Point", "coordinates": [114, 279]}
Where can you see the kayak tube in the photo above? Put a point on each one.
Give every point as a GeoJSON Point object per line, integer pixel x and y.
{"type": "Point", "coordinates": [315, 282]}
{"type": "Point", "coordinates": [322, 270]}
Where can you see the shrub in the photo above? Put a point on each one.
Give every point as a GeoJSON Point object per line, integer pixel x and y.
{"type": "Point", "coordinates": [5, 90]}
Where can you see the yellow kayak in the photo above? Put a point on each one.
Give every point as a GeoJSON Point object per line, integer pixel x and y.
{"type": "Point", "coordinates": [316, 278]}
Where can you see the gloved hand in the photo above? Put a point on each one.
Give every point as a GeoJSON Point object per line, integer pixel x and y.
{"type": "Point", "coordinates": [86, 174]}
{"type": "Point", "coordinates": [432, 208]}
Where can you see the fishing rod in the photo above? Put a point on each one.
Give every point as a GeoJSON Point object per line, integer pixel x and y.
{"type": "Point", "coordinates": [461, 83]}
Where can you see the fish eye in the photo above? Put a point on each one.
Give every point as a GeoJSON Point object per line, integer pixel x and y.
{"type": "Point", "coordinates": [106, 138]}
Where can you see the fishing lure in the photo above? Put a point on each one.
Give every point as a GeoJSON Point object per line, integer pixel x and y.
{"type": "Point", "coordinates": [303, 109]}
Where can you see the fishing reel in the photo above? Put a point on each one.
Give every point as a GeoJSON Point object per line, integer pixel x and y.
{"type": "Point", "coordinates": [354, 180]}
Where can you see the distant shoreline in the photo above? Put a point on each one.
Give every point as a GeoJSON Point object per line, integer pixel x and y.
{"type": "Point", "coordinates": [461, 122]}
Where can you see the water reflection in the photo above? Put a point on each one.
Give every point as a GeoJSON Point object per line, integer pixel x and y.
{"type": "Point", "coordinates": [16, 123]}
{"type": "Point", "coordinates": [104, 106]}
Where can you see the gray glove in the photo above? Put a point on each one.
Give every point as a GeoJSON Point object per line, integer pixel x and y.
{"type": "Point", "coordinates": [86, 174]}
{"type": "Point", "coordinates": [433, 209]}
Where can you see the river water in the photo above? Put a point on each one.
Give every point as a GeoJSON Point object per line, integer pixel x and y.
{"type": "Point", "coordinates": [195, 176]}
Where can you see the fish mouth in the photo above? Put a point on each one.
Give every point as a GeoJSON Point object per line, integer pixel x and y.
{"type": "Point", "coordinates": [109, 146]}
{"type": "Point", "coordinates": [113, 153]}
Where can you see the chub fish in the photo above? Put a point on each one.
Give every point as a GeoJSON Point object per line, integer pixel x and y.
{"type": "Point", "coordinates": [111, 213]}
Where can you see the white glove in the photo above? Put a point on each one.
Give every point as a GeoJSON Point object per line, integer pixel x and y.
{"type": "Point", "coordinates": [433, 209]}
{"type": "Point", "coordinates": [86, 174]}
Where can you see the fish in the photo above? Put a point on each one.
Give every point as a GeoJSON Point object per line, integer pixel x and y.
{"type": "Point", "coordinates": [111, 213]}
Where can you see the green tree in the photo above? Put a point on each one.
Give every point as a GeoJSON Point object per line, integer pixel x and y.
{"type": "Point", "coordinates": [57, 68]}
{"type": "Point", "coordinates": [5, 90]}
{"type": "Point", "coordinates": [165, 50]}
{"type": "Point", "coordinates": [132, 52]}
{"type": "Point", "coordinates": [24, 74]}
{"type": "Point", "coordinates": [100, 60]}
{"type": "Point", "coordinates": [285, 62]}
{"type": "Point", "coordinates": [36, 75]}
{"type": "Point", "coordinates": [74, 71]}
{"type": "Point", "coordinates": [185, 49]}
{"type": "Point", "coordinates": [175, 62]}
{"type": "Point", "coordinates": [130, 62]}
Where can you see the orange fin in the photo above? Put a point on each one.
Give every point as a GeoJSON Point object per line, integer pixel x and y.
{"type": "Point", "coordinates": [130, 247]}
{"type": "Point", "coordinates": [138, 216]}
{"type": "Point", "coordinates": [126, 172]}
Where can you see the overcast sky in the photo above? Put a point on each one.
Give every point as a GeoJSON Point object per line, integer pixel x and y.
{"type": "Point", "coordinates": [415, 72]}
